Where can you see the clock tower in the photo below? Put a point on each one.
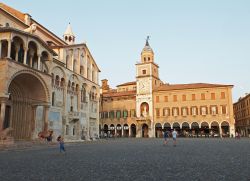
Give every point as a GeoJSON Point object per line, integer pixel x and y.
{"type": "Point", "coordinates": [147, 78]}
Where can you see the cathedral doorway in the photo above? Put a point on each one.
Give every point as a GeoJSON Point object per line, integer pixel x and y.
{"type": "Point", "coordinates": [145, 131]}
{"type": "Point", "coordinates": [26, 93]}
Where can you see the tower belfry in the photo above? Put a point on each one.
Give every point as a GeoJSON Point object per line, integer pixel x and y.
{"type": "Point", "coordinates": [147, 54]}
{"type": "Point", "coordinates": [69, 36]}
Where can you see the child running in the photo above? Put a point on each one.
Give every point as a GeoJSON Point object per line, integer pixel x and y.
{"type": "Point", "coordinates": [61, 143]}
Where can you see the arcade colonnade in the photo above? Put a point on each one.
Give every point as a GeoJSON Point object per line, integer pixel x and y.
{"type": "Point", "coordinates": [184, 129]}
{"type": "Point", "coordinates": [26, 50]}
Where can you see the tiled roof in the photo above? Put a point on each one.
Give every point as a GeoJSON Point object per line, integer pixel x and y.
{"type": "Point", "coordinates": [166, 87]}
{"type": "Point", "coordinates": [12, 11]}
{"type": "Point", "coordinates": [127, 83]}
{"type": "Point", "coordinates": [119, 94]}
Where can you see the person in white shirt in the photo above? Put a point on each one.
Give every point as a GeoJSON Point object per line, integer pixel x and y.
{"type": "Point", "coordinates": [174, 135]}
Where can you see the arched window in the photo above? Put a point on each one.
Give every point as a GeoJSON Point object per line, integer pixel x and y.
{"type": "Point", "coordinates": [75, 65]}
{"type": "Point", "coordinates": [67, 130]}
{"type": "Point", "coordinates": [57, 80]}
{"type": "Point", "coordinates": [73, 130]}
{"type": "Point", "coordinates": [81, 70]}
{"type": "Point", "coordinates": [73, 86]}
{"type": "Point", "coordinates": [77, 87]}
{"type": "Point", "coordinates": [83, 94]}
{"type": "Point", "coordinates": [62, 82]}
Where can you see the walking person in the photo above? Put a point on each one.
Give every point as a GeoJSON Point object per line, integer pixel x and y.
{"type": "Point", "coordinates": [174, 135]}
{"type": "Point", "coordinates": [165, 135]}
{"type": "Point", "coordinates": [61, 144]}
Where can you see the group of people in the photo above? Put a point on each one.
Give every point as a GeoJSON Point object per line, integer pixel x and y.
{"type": "Point", "coordinates": [166, 135]}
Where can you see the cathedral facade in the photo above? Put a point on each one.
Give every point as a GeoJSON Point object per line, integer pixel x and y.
{"type": "Point", "coordinates": [47, 83]}
{"type": "Point", "coordinates": [146, 107]}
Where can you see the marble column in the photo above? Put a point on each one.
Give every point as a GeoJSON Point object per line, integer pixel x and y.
{"type": "Point", "coordinates": [2, 116]}
{"type": "Point", "coordinates": [39, 62]}
{"type": "Point", "coordinates": [46, 118]}
{"type": "Point", "coordinates": [9, 48]}
{"type": "Point", "coordinates": [25, 55]}
{"type": "Point", "coordinates": [122, 132]}
{"type": "Point", "coordinates": [17, 48]}
{"type": "Point", "coordinates": [220, 131]}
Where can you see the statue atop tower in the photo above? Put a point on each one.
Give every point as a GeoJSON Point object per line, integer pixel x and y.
{"type": "Point", "coordinates": [147, 54]}
{"type": "Point", "coordinates": [69, 36]}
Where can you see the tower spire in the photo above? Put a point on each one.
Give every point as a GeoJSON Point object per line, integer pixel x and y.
{"type": "Point", "coordinates": [69, 36]}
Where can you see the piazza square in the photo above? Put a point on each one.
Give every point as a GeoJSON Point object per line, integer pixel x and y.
{"type": "Point", "coordinates": [124, 109]}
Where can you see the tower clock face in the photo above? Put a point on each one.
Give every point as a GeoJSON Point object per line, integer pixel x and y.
{"type": "Point", "coordinates": [143, 87]}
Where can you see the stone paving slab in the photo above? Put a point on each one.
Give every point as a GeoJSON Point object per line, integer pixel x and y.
{"type": "Point", "coordinates": [131, 159]}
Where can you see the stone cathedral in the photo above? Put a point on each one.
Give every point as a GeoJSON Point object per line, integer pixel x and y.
{"type": "Point", "coordinates": [46, 83]}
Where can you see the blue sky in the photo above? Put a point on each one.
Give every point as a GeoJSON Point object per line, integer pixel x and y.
{"type": "Point", "coordinates": [193, 40]}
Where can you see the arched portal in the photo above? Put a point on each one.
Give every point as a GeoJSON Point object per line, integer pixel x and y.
{"type": "Point", "coordinates": [133, 130]}
{"type": "Point", "coordinates": [27, 92]}
{"type": "Point", "coordinates": [214, 129]}
{"type": "Point", "coordinates": [32, 59]}
{"type": "Point", "coordinates": [176, 126]}
{"type": "Point", "coordinates": [44, 57]}
{"type": "Point", "coordinates": [112, 130]}
{"type": "Point", "coordinates": [105, 128]}
{"type": "Point", "coordinates": [167, 127]}
{"type": "Point", "coordinates": [17, 49]}
{"type": "Point", "coordinates": [204, 129]}
{"type": "Point", "coordinates": [225, 129]}
{"type": "Point", "coordinates": [145, 130]}
{"type": "Point", "coordinates": [185, 129]}
{"type": "Point", "coordinates": [195, 129]}
{"type": "Point", "coordinates": [125, 130]}
{"type": "Point", "coordinates": [158, 130]}
{"type": "Point", "coordinates": [118, 130]}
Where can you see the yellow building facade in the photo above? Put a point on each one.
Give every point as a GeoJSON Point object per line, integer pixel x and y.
{"type": "Point", "coordinates": [147, 106]}
{"type": "Point", "coordinates": [242, 115]}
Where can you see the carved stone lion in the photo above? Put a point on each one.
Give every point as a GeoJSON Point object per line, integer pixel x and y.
{"type": "Point", "coordinates": [31, 29]}
{"type": "Point", "coordinates": [4, 134]}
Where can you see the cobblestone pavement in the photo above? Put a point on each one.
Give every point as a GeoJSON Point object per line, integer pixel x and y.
{"type": "Point", "coordinates": [131, 159]}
